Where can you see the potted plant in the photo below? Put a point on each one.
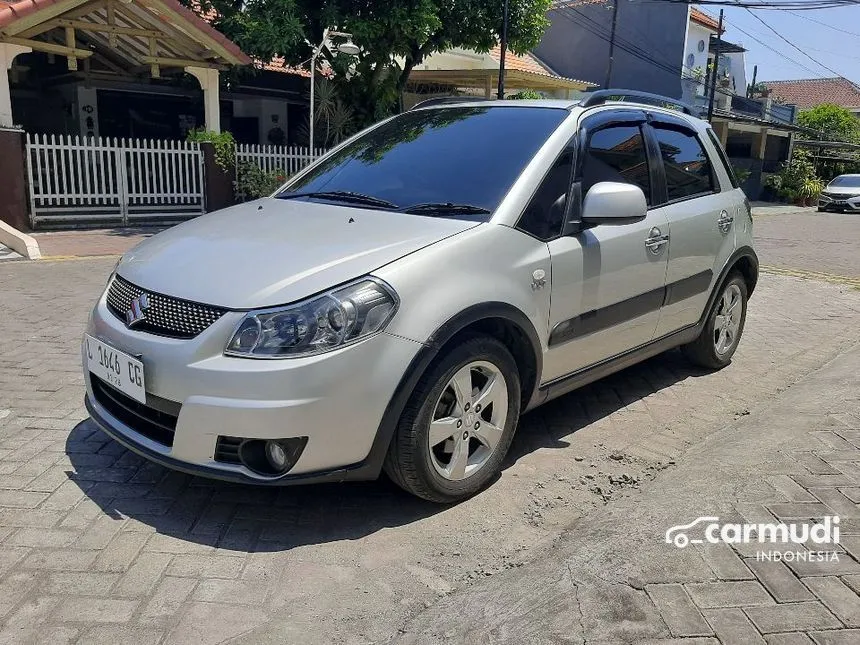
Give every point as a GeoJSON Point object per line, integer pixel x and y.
{"type": "Point", "coordinates": [810, 189]}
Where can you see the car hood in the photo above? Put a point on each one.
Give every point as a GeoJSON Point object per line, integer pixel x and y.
{"type": "Point", "coordinates": [271, 252]}
{"type": "Point", "coordinates": [846, 191]}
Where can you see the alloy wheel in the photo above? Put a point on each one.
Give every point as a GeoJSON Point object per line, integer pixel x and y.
{"type": "Point", "coordinates": [727, 321]}
{"type": "Point", "coordinates": [468, 420]}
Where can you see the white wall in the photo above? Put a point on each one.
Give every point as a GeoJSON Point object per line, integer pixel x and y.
{"type": "Point", "coordinates": [696, 34]}
{"type": "Point", "coordinates": [270, 113]}
{"type": "Point", "coordinates": [737, 72]}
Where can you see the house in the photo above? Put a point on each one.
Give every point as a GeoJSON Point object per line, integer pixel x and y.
{"type": "Point", "coordinates": [649, 43]}
{"type": "Point", "coordinates": [141, 69]}
{"type": "Point", "coordinates": [470, 72]}
{"type": "Point", "coordinates": [808, 92]}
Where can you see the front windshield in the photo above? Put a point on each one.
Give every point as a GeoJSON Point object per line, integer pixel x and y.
{"type": "Point", "coordinates": [466, 156]}
{"type": "Point", "coordinates": [846, 182]}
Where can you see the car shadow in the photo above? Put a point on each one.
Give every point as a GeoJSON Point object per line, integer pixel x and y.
{"type": "Point", "coordinates": [548, 425]}
{"type": "Point", "coordinates": [253, 518]}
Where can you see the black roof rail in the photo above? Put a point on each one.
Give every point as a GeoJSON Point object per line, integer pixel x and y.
{"type": "Point", "coordinates": [634, 96]}
{"type": "Point", "coordinates": [441, 100]}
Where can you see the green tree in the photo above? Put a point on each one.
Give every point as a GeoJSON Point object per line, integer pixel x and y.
{"type": "Point", "coordinates": [394, 36]}
{"type": "Point", "coordinates": [834, 123]}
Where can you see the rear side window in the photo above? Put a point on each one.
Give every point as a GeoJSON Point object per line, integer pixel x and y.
{"type": "Point", "coordinates": [724, 159]}
{"type": "Point", "coordinates": [688, 168]}
{"type": "Point", "coordinates": [617, 153]}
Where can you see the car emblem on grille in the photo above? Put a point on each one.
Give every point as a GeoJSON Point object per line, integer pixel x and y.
{"type": "Point", "coordinates": [137, 312]}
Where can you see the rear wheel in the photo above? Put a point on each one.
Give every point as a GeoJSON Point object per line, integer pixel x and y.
{"type": "Point", "coordinates": [458, 424]}
{"type": "Point", "coordinates": [719, 339]}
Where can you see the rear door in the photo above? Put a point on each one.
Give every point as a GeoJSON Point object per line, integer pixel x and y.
{"type": "Point", "coordinates": [607, 280]}
{"type": "Point", "coordinates": [700, 216]}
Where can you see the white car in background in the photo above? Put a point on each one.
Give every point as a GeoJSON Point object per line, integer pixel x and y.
{"type": "Point", "coordinates": [842, 195]}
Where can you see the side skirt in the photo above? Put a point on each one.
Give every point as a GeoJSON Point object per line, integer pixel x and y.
{"type": "Point", "coordinates": [578, 379]}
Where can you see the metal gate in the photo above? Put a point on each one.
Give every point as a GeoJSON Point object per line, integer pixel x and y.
{"type": "Point", "coordinates": [74, 179]}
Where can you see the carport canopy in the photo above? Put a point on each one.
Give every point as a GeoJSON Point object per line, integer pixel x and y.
{"type": "Point", "coordinates": [487, 79]}
{"type": "Point", "coordinates": [124, 35]}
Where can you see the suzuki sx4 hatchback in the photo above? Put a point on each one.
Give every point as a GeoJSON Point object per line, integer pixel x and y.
{"type": "Point", "coordinates": [401, 302]}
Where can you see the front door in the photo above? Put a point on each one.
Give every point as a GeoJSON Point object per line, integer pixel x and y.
{"type": "Point", "coordinates": [608, 281]}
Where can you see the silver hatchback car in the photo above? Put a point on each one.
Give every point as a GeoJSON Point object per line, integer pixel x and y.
{"type": "Point", "coordinates": [398, 304]}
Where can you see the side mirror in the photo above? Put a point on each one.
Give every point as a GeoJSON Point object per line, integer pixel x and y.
{"type": "Point", "coordinates": [610, 202]}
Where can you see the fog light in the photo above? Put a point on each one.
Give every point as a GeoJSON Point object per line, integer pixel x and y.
{"type": "Point", "coordinates": [276, 455]}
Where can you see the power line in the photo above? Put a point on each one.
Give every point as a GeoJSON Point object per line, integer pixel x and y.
{"type": "Point", "coordinates": [788, 42]}
{"type": "Point", "coordinates": [598, 29]}
{"type": "Point", "coordinates": [844, 31]}
{"type": "Point", "coordinates": [775, 51]}
{"type": "Point", "coordinates": [799, 5]}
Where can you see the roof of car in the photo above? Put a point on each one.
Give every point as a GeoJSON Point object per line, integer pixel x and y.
{"type": "Point", "coordinates": [566, 104]}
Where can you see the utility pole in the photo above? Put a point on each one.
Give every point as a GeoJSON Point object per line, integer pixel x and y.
{"type": "Point", "coordinates": [607, 83]}
{"type": "Point", "coordinates": [714, 70]}
{"type": "Point", "coordinates": [504, 47]}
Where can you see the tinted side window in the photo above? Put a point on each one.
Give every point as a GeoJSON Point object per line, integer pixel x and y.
{"type": "Point", "coordinates": [545, 212]}
{"type": "Point", "coordinates": [723, 158]}
{"type": "Point", "coordinates": [616, 153]}
{"type": "Point", "coordinates": [688, 169]}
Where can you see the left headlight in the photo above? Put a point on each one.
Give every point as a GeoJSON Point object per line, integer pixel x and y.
{"type": "Point", "coordinates": [318, 325]}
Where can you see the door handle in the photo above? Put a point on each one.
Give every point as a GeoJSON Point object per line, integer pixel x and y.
{"type": "Point", "coordinates": [725, 221]}
{"type": "Point", "coordinates": [655, 240]}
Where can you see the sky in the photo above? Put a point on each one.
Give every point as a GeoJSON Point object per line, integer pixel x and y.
{"type": "Point", "coordinates": [838, 51]}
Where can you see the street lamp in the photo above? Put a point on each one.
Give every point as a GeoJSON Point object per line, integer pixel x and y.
{"type": "Point", "coordinates": [348, 47]}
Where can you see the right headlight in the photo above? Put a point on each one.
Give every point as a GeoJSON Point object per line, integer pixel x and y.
{"type": "Point", "coordinates": [317, 325]}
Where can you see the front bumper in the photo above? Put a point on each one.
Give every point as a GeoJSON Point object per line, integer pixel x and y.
{"type": "Point", "coordinates": [336, 399]}
{"type": "Point", "coordinates": [838, 204]}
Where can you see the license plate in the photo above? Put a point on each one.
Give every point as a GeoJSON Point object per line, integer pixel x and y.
{"type": "Point", "coordinates": [117, 368]}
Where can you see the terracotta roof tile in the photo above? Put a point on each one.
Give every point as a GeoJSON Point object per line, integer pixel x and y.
{"type": "Point", "coordinates": [704, 19]}
{"type": "Point", "coordinates": [809, 92]}
{"type": "Point", "coordinates": [522, 62]}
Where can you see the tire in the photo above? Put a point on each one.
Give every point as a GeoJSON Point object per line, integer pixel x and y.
{"type": "Point", "coordinates": [419, 467]}
{"type": "Point", "coordinates": [706, 350]}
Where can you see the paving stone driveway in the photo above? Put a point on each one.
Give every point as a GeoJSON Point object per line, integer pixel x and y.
{"type": "Point", "coordinates": [97, 546]}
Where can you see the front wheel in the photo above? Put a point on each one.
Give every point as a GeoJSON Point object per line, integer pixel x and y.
{"type": "Point", "coordinates": [722, 332]}
{"type": "Point", "coordinates": [458, 424]}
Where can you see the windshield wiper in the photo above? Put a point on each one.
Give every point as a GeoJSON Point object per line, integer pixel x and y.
{"type": "Point", "coordinates": [343, 196]}
{"type": "Point", "coordinates": [432, 208]}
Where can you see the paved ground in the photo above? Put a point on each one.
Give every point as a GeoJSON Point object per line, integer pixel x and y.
{"type": "Point", "coordinates": [89, 243]}
{"type": "Point", "coordinates": [792, 238]}
{"type": "Point", "coordinates": [794, 458]}
{"type": "Point", "coordinates": [98, 546]}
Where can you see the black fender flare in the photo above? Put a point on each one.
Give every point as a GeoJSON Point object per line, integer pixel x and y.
{"type": "Point", "coordinates": [743, 252]}
{"type": "Point", "coordinates": [429, 351]}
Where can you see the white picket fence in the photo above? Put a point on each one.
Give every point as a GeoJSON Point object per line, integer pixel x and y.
{"type": "Point", "coordinates": [287, 159]}
{"type": "Point", "coordinates": [110, 179]}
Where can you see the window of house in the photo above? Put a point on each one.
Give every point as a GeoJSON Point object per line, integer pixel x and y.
{"type": "Point", "coordinates": [544, 215]}
{"type": "Point", "coordinates": [617, 153]}
{"type": "Point", "coordinates": [688, 169]}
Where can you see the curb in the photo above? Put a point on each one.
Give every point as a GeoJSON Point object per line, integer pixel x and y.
{"type": "Point", "coordinates": [19, 242]}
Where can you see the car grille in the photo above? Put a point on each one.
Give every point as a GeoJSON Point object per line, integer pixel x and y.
{"type": "Point", "coordinates": [157, 424]}
{"type": "Point", "coordinates": [165, 316]}
{"type": "Point", "coordinates": [227, 449]}
{"type": "Point", "coordinates": [838, 196]}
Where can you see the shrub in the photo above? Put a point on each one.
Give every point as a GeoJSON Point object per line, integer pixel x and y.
{"type": "Point", "coordinates": [252, 182]}
{"type": "Point", "coordinates": [223, 143]}
{"type": "Point", "coordinates": [526, 94]}
{"type": "Point", "coordinates": [796, 179]}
